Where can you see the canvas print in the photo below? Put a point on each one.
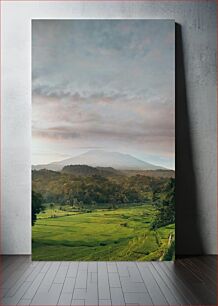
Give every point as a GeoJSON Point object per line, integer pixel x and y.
{"type": "Point", "coordinates": [103, 140]}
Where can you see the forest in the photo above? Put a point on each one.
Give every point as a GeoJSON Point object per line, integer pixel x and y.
{"type": "Point", "coordinates": [69, 188]}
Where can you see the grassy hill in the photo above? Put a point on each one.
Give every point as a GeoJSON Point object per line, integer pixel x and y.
{"type": "Point", "coordinates": [121, 234]}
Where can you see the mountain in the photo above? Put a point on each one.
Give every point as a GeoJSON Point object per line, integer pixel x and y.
{"type": "Point", "coordinates": [101, 158]}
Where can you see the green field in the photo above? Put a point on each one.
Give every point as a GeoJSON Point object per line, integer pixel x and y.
{"type": "Point", "coordinates": [100, 235]}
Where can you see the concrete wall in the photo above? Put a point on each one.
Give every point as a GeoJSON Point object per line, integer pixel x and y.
{"type": "Point", "coordinates": [196, 113]}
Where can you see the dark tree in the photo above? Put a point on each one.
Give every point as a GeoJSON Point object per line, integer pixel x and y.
{"type": "Point", "coordinates": [37, 206]}
{"type": "Point", "coordinates": [165, 206]}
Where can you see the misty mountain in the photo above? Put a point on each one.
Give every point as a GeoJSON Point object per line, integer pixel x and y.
{"type": "Point", "coordinates": [101, 158]}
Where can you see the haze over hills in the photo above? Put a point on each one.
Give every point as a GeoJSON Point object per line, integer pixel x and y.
{"type": "Point", "coordinates": [101, 158]}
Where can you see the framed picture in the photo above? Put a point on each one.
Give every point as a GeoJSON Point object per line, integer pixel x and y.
{"type": "Point", "coordinates": [103, 140]}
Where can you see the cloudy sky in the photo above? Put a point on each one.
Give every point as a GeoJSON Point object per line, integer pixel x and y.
{"type": "Point", "coordinates": [103, 84]}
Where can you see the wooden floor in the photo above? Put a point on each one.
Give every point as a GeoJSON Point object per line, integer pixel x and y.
{"type": "Point", "coordinates": [188, 281]}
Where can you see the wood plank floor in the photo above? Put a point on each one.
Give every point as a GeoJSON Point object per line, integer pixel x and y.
{"type": "Point", "coordinates": [188, 281]}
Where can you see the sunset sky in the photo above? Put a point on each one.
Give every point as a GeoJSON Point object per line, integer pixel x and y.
{"type": "Point", "coordinates": [103, 84]}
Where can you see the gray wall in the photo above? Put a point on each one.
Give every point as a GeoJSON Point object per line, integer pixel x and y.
{"type": "Point", "coordinates": [196, 113]}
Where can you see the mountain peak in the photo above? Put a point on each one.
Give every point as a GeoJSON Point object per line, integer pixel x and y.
{"type": "Point", "coordinates": [102, 158]}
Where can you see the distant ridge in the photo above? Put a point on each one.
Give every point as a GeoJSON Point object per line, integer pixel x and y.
{"type": "Point", "coordinates": [101, 158]}
{"type": "Point", "coordinates": [84, 170]}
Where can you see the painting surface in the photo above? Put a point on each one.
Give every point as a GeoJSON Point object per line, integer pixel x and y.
{"type": "Point", "coordinates": [103, 140]}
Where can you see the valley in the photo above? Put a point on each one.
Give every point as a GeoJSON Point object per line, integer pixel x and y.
{"type": "Point", "coordinates": [101, 213]}
{"type": "Point", "coordinates": [100, 234]}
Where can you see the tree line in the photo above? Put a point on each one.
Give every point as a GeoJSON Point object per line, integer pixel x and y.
{"type": "Point", "coordinates": [68, 189]}
{"type": "Point", "coordinates": [78, 191]}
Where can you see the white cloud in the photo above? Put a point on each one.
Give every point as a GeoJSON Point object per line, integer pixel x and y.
{"type": "Point", "coordinates": [104, 84]}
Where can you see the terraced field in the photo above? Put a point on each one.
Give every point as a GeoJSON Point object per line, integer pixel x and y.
{"type": "Point", "coordinates": [100, 235]}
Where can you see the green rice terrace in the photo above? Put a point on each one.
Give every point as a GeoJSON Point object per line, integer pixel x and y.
{"type": "Point", "coordinates": [92, 231]}
{"type": "Point", "coordinates": [121, 234]}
